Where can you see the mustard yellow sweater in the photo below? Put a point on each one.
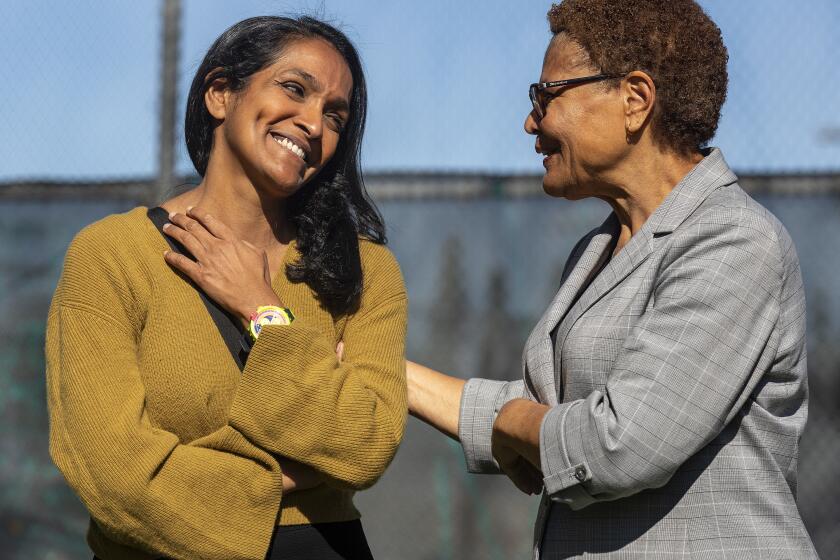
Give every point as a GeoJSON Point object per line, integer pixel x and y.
{"type": "Point", "coordinates": [172, 448]}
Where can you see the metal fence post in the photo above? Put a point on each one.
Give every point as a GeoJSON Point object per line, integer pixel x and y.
{"type": "Point", "coordinates": [171, 13]}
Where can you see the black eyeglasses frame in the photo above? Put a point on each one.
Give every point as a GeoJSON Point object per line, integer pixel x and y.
{"type": "Point", "coordinates": [535, 88]}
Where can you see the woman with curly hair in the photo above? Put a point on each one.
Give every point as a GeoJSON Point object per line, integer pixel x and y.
{"type": "Point", "coordinates": [664, 390]}
{"type": "Point", "coordinates": [198, 404]}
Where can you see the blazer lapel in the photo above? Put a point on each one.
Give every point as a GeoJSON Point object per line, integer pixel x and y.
{"type": "Point", "coordinates": [628, 259]}
{"type": "Point", "coordinates": [539, 351]}
{"type": "Point", "coordinates": [711, 173]}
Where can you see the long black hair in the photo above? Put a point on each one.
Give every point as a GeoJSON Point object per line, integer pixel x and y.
{"type": "Point", "coordinates": [333, 209]}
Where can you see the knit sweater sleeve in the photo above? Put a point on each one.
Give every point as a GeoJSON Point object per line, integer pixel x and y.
{"type": "Point", "coordinates": [345, 418]}
{"type": "Point", "coordinates": [213, 498]}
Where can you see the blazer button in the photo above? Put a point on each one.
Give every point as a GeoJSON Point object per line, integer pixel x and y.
{"type": "Point", "coordinates": [580, 473]}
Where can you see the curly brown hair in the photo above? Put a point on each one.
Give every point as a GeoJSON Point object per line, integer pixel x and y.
{"type": "Point", "coordinates": [673, 41]}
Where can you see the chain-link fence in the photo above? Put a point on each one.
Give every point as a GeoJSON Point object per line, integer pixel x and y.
{"type": "Point", "coordinates": [81, 140]}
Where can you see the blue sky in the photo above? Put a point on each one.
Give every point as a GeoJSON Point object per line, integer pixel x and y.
{"type": "Point", "coordinates": [447, 80]}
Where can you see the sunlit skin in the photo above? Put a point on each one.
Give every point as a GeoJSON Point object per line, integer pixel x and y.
{"type": "Point", "coordinates": [234, 223]}
{"type": "Point", "coordinates": [304, 95]}
{"type": "Point", "coordinates": [597, 141]}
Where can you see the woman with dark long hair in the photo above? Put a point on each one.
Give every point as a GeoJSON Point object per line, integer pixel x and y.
{"type": "Point", "coordinates": [224, 371]}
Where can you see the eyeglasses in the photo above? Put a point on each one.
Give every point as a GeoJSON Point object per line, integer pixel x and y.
{"type": "Point", "coordinates": [535, 91]}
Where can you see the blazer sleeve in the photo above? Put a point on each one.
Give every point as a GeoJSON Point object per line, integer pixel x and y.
{"type": "Point", "coordinates": [346, 418]}
{"type": "Point", "coordinates": [685, 370]}
{"type": "Point", "coordinates": [215, 498]}
{"type": "Point", "coordinates": [483, 398]}
{"type": "Point", "coordinates": [480, 404]}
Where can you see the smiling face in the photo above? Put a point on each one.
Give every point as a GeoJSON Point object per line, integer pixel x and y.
{"type": "Point", "coordinates": [285, 125]}
{"type": "Point", "coordinates": [582, 133]}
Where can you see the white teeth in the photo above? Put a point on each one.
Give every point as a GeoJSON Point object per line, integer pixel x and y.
{"type": "Point", "coordinates": [291, 146]}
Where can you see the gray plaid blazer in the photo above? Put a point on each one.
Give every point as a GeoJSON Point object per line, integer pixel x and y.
{"type": "Point", "coordinates": [677, 386]}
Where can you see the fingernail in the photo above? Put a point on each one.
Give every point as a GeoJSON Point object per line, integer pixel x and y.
{"type": "Point", "coordinates": [189, 208]}
{"type": "Point", "coordinates": [165, 226]}
{"type": "Point", "coordinates": [171, 215]}
{"type": "Point", "coordinates": [166, 253]}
